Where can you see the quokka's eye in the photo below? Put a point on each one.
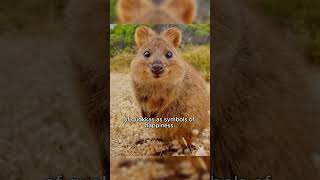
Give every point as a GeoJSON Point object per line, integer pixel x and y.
{"type": "Point", "coordinates": [169, 54]}
{"type": "Point", "coordinates": [146, 54]}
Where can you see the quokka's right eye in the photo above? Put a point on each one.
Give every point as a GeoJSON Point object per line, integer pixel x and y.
{"type": "Point", "coordinates": [169, 55]}
{"type": "Point", "coordinates": [146, 54]}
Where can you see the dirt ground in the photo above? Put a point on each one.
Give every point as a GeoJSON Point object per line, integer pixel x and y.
{"type": "Point", "coordinates": [132, 139]}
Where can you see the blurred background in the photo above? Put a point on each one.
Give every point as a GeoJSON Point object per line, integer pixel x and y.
{"type": "Point", "coordinates": [266, 82]}
{"type": "Point", "coordinates": [203, 11]}
{"type": "Point", "coordinates": [301, 18]}
{"type": "Point", "coordinates": [32, 16]}
{"type": "Point", "coordinates": [165, 168]}
{"type": "Point", "coordinates": [43, 132]}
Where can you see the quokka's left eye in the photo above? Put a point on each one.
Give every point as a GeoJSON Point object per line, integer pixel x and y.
{"type": "Point", "coordinates": [146, 54]}
{"type": "Point", "coordinates": [169, 54]}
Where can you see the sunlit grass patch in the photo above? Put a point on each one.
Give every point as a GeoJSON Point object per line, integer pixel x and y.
{"type": "Point", "coordinates": [121, 62]}
{"type": "Point", "coordinates": [199, 57]}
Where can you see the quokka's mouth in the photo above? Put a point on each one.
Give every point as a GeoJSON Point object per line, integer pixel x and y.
{"type": "Point", "coordinates": [156, 76]}
{"type": "Point", "coordinates": [159, 76]}
{"type": "Point", "coordinates": [158, 72]}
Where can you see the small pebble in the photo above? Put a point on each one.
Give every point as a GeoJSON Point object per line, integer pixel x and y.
{"type": "Point", "coordinates": [178, 146]}
{"type": "Point", "coordinates": [205, 176]}
{"type": "Point", "coordinates": [186, 164]}
{"type": "Point", "coordinates": [186, 151]}
{"type": "Point", "coordinates": [194, 177]}
{"type": "Point", "coordinates": [201, 152]}
{"type": "Point", "coordinates": [175, 142]}
{"type": "Point", "coordinates": [195, 132]}
{"type": "Point", "coordinates": [175, 154]}
{"type": "Point", "coordinates": [187, 171]}
{"type": "Point", "coordinates": [124, 170]}
{"type": "Point", "coordinates": [206, 142]}
{"type": "Point", "coordinates": [140, 163]}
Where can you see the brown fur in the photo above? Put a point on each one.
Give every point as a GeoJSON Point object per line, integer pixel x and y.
{"type": "Point", "coordinates": [144, 11]}
{"type": "Point", "coordinates": [180, 91]}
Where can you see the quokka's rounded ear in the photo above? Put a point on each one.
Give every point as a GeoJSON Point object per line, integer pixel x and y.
{"type": "Point", "coordinates": [142, 35]}
{"type": "Point", "coordinates": [173, 35]}
{"type": "Point", "coordinates": [127, 10]}
{"type": "Point", "coordinates": [185, 9]}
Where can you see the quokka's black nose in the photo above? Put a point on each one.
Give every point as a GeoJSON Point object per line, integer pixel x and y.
{"type": "Point", "coordinates": [157, 67]}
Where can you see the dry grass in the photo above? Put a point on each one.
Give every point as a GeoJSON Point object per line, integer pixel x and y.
{"type": "Point", "coordinates": [132, 139]}
{"type": "Point", "coordinates": [121, 62]}
{"type": "Point", "coordinates": [199, 57]}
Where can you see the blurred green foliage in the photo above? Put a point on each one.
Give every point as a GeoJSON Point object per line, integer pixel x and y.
{"type": "Point", "coordinates": [199, 29]}
{"type": "Point", "coordinates": [113, 11]}
{"type": "Point", "coordinates": [122, 36]}
{"type": "Point", "coordinates": [302, 16]}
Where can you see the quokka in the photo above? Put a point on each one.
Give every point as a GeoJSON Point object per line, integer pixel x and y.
{"type": "Point", "coordinates": [144, 11]}
{"type": "Point", "coordinates": [166, 86]}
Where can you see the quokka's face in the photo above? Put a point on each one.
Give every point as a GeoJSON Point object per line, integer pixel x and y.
{"type": "Point", "coordinates": [145, 12]}
{"type": "Point", "coordinates": [157, 58]}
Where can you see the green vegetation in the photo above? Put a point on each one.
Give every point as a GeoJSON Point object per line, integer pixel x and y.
{"type": "Point", "coordinates": [199, 29]}
{"type": "Point", "coordinates": [302, 16]}
{"type": "Point", "coordinates": [196, 55]}
{"type": "Point", "coordinates": [113, 11]}
{"type": "Point", "coordinates": [122, 36]}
